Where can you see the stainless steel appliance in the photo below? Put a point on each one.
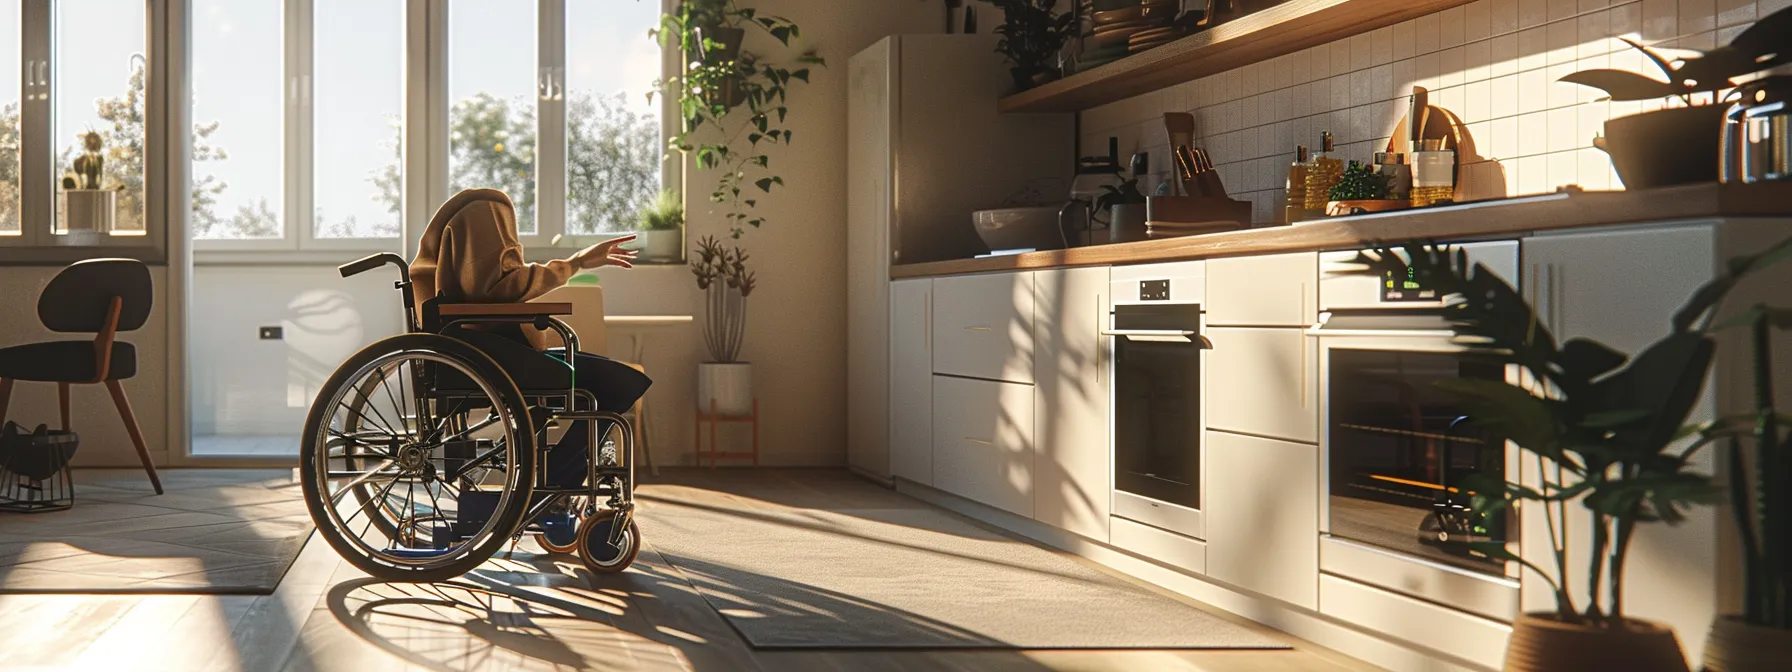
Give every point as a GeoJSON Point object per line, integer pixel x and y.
{"type": "Point", "coordinates": [1396, 447]}
{"type": "Point", "coordinates": [1158, 360]}
{"type": "Point", "coordinates": [1757, 133]}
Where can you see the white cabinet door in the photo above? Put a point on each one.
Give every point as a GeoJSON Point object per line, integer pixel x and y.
{"type": "Point", "coordinates": [1263, 516]}
{"type": "Point", "coordinates": [1275, 290]}
{"type": "Point", "coordinates": [911, 380]}
{"type": "Point", "coordinates": [983, 326]}
{"type": "Point", "coordinates": [1263, 382]}
{"type": "Point", "coordinates": [983, 442]}
{"type": "Point", "coordinates": [1621, 288]}
{"type": "Point", "coordinates": [1072, 472]}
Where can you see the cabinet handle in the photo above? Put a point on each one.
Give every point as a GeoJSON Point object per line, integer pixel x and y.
{"type": "Point", "coordinates": [1303, 347]}
{"type": "Point", "coordinates": [980, 441]}
{"type": "Point", "coordinates": [976, 328]}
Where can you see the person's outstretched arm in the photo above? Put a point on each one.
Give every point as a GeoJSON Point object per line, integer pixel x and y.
{"type": "Point", "coordinates": [488, 267]}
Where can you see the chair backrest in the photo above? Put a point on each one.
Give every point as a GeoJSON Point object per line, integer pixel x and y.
{"type": "Point", "coordinates": [587, 318]}
{"type": "Point", "coordinates": [79, 298]}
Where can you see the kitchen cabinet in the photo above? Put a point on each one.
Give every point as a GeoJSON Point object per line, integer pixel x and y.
{"type": "Point", "coordinates": [983, 326]}
{"type": "Point", "coordinates": [983, 442]}
{"type": "Point", "coordinates": [1621, 288]}
{"type": "Point", "coordinates": [1263, 516]}
{"type": "Point", "coordinates": [1072, 464]}
{"type": "Point", "coordinates": [911, 380]}
{"type": "Point", "coordinates": [1263, 381]}
{"type": "Point", "coordinates": [1274, 290]}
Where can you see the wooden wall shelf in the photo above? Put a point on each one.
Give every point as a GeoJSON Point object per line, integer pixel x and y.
{"type": "Point", "coordinates": [1260, 36]}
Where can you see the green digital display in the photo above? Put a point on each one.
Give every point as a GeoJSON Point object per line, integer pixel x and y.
{"type": "Point", "coordinates": [1405, 287]}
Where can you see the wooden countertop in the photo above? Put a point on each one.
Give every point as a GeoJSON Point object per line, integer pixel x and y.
{"type": "Point", "coordinates": [1507, 218]}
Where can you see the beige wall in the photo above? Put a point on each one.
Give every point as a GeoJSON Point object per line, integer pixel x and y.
{"type": "Point", "coordinates": [1494, 63]}
{"type": "Point", "coordinates": [103, 438]}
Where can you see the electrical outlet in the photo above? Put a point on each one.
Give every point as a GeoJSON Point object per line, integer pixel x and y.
{"type": "Point", "coordinates": [272, 334]}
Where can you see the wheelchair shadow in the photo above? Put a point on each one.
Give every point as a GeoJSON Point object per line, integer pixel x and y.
{"type": "Point", "coordinates": [540, 612]}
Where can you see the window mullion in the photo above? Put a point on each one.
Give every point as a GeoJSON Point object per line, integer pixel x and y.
{"type": "Point", "coordinates": [550, 129]}
{"type": "Point", "coordinates": [297, 56]}
{"type": "Point", "coordinates": [37, 155]}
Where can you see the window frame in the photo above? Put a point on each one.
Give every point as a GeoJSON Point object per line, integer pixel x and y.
{"type": "Point", "coordinates": [550, 239]}
{"type": "Point", "coordinates": [37, 243]}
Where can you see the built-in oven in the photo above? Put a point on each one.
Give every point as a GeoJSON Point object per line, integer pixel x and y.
{"type": "Point", "coordinates": [1158, 351]}
{"type": "Point", "coordinates": [1397, 448]}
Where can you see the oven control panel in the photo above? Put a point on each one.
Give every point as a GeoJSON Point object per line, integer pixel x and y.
{"type": "Point", "coordinates": [1339, 290]}
{"type": "Point", "coordinates": [1172, 282]}
{"type": "Point", "coordinates": [1154, 290]}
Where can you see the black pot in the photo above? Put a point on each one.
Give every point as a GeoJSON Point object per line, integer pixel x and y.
{"type": "Point", "coordinates": [1666, 147]}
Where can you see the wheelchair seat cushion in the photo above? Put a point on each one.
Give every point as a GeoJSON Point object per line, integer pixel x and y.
{"type": "Point", "coordinates": [531, 369]}
{"type": "Point", "coordinates": [64, 362]}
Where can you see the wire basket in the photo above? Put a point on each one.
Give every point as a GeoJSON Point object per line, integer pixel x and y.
{"type": "Point", "coordinates": [34, 474]}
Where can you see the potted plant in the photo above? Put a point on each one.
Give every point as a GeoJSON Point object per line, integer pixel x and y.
{"type": "Point", "coordinates": [1360, 190]}
{"type": "Point", "coordinates": [719, 81]}
{"type": "Point", "coordinates": [724, 380]}
{"type": "Point", "coordinates": [1613, 424]}
{"type": "Point", "coordinates": [1032, 36]}
{"type": "Point", "coordinates": [1125, 208]}
{"type": "Point", "coordinates": [1760, 638]}
{"type": "Point", "coordinates": [660, 225]}
{"type": "Point", "coordinates": [1679, 145]}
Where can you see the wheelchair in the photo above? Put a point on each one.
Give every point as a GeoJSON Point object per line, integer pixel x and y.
{"type": "Point", "coordinates": [423, 455]}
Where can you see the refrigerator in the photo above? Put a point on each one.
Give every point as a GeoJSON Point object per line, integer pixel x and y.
{"type": "Point", "coordinates": [925, 148]}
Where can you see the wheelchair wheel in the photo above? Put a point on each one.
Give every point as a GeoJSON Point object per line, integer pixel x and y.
{"type": "Point", "coordinates": [409, 483]}
{"type": "Point", "coordinates": [595, 549]}
{"type": "Point", "coordinates": [562, 539]}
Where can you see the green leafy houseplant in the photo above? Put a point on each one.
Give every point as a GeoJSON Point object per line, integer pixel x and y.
{"type": "Point", "coordinates": [664, 213]}
{"type": "Point", "coordinates": [732, 102]}
{"type": "Point", "coordinates": [1032, 33]}
{"type": "Point", "coordinates": [1612, 425]}
{"type": "Point", "coordinates": [1358, 183]}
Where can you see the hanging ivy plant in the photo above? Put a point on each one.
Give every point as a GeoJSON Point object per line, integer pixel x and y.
{"type": "Point", "coordinates": [732, 102]}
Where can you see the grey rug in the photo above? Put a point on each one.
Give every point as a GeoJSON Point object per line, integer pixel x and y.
{"type": "Point", "coordinates": [215, 531]}
{"type": "Point", "coordinates": [912, 578]}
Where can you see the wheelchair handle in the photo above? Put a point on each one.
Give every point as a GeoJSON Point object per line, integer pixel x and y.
{"type": "Point", "coordinates": [373, 261]}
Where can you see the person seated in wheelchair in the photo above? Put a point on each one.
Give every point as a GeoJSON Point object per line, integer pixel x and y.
{"type": "Point", "coordinates": [470, 254]}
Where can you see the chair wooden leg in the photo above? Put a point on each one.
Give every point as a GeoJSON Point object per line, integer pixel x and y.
{"type": "Point", "coordinates": [130, 425]}
{"type": "Point", "coordinates": [62, 398]}
{"type": "Point", "coordinates": [5, 397]}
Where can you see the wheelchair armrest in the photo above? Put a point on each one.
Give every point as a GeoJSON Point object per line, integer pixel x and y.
{"type": "Point", "coordinates": [503, 309]}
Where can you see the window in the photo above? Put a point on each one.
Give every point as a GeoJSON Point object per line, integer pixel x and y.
{"type": "Point", "coordinates": [78, 113]}
{"type": "Point", "coordinates": [296, 147]}
{"type": "Point", "coordinates": [556, 114]}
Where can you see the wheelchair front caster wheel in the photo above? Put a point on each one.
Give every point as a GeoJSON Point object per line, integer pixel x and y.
{"type": "Point", "coordinates": [546, 541]}
{"type": "Point", "coordinates": [595, 549]}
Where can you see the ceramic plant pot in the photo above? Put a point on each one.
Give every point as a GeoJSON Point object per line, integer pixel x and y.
{"type": "Point", "coordinates": [660, 244]}
{"type": "Point", "coordinates": [1735, 646]}
{"type": "Point", "coordinates": [1126, 223]}
{"type": "Point", "coordinates": [730, 384]}
{"type": "Point", "coordinates": [1665, 147]}
{"type": "Point", "coordinates": [1540, 643]}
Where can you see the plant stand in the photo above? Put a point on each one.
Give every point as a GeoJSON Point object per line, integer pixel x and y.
{"type": "Point", "coordinates": [714, 418]}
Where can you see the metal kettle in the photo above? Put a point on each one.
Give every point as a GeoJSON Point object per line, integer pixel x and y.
{"type": "Point", "coordinates": [1757, 133]}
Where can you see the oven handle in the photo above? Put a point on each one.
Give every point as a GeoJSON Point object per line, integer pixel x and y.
{"type": "Point", "coordinates": [1161, 336]}
{"type": "Point", "coordinates": [1316, 332]}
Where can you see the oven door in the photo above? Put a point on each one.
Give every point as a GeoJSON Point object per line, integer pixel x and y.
{"type": "Point", "coordinates": [1394, 451]}
{"type": "Point", "coordinates": [1159, 416]}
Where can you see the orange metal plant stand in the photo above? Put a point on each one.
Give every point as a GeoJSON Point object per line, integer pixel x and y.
{"type": "Point", "coordinates": [714, 418]}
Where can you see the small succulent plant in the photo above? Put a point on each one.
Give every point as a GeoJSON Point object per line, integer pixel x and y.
{"type": "Point", "coordinates": [1765, 45]}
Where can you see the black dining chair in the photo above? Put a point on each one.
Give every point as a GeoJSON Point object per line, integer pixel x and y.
{"type": "Point", "coordinates": [100, 297]}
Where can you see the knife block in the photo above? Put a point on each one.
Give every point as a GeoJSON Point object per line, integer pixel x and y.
{"type": "Point", "coordinates": [1194, 209]}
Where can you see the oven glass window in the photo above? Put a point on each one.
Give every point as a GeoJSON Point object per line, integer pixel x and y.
{"type": "Point", "coordinates": [1157, 415]}
{"type": "Point", "coordinates": [1401, 446]}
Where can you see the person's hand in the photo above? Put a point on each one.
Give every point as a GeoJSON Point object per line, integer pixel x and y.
{"type": "Point", "coordinates": [606, 253]}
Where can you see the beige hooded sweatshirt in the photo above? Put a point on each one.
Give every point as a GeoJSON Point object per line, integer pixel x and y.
{"type": "Point", "coordinates": [470, 254]}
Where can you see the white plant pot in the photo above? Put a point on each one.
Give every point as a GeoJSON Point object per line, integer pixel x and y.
{"type": "Point", "coordinates": [661, 245]}
{"type": "Point", "coordinates": [89, 209]}
{"type": "Point", "coordinates": [730, 385]}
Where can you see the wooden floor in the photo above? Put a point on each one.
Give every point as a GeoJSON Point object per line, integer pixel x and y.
{"type": "Point", "coordinates": [524, 613]}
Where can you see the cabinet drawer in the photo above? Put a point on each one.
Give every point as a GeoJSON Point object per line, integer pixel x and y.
{"type": "Point", "coordinates": [1263, 382]}
{"type": "Point", "coordinates": [1278, 290]}
{"type": "Point", "coordinates": [1263, 516]}
{"type": "Point", "coordinates": [983, 326]}
{"type": "Point", "coordinates": [983, 442]}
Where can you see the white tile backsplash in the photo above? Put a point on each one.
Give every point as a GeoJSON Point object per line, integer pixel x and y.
{"type": "Point", "coordinates": [1492, 63]}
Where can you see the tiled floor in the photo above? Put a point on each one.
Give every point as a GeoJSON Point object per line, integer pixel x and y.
{"type": "Point", "coordinates": [529, 612]}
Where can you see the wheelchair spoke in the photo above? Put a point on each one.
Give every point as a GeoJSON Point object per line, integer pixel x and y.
{"type": "Point", "coordinates": [478, 462]}
{"type": "Point", "coordinates": [337, 497]}
{"type": "Point", "coordinates": [381, 497]}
